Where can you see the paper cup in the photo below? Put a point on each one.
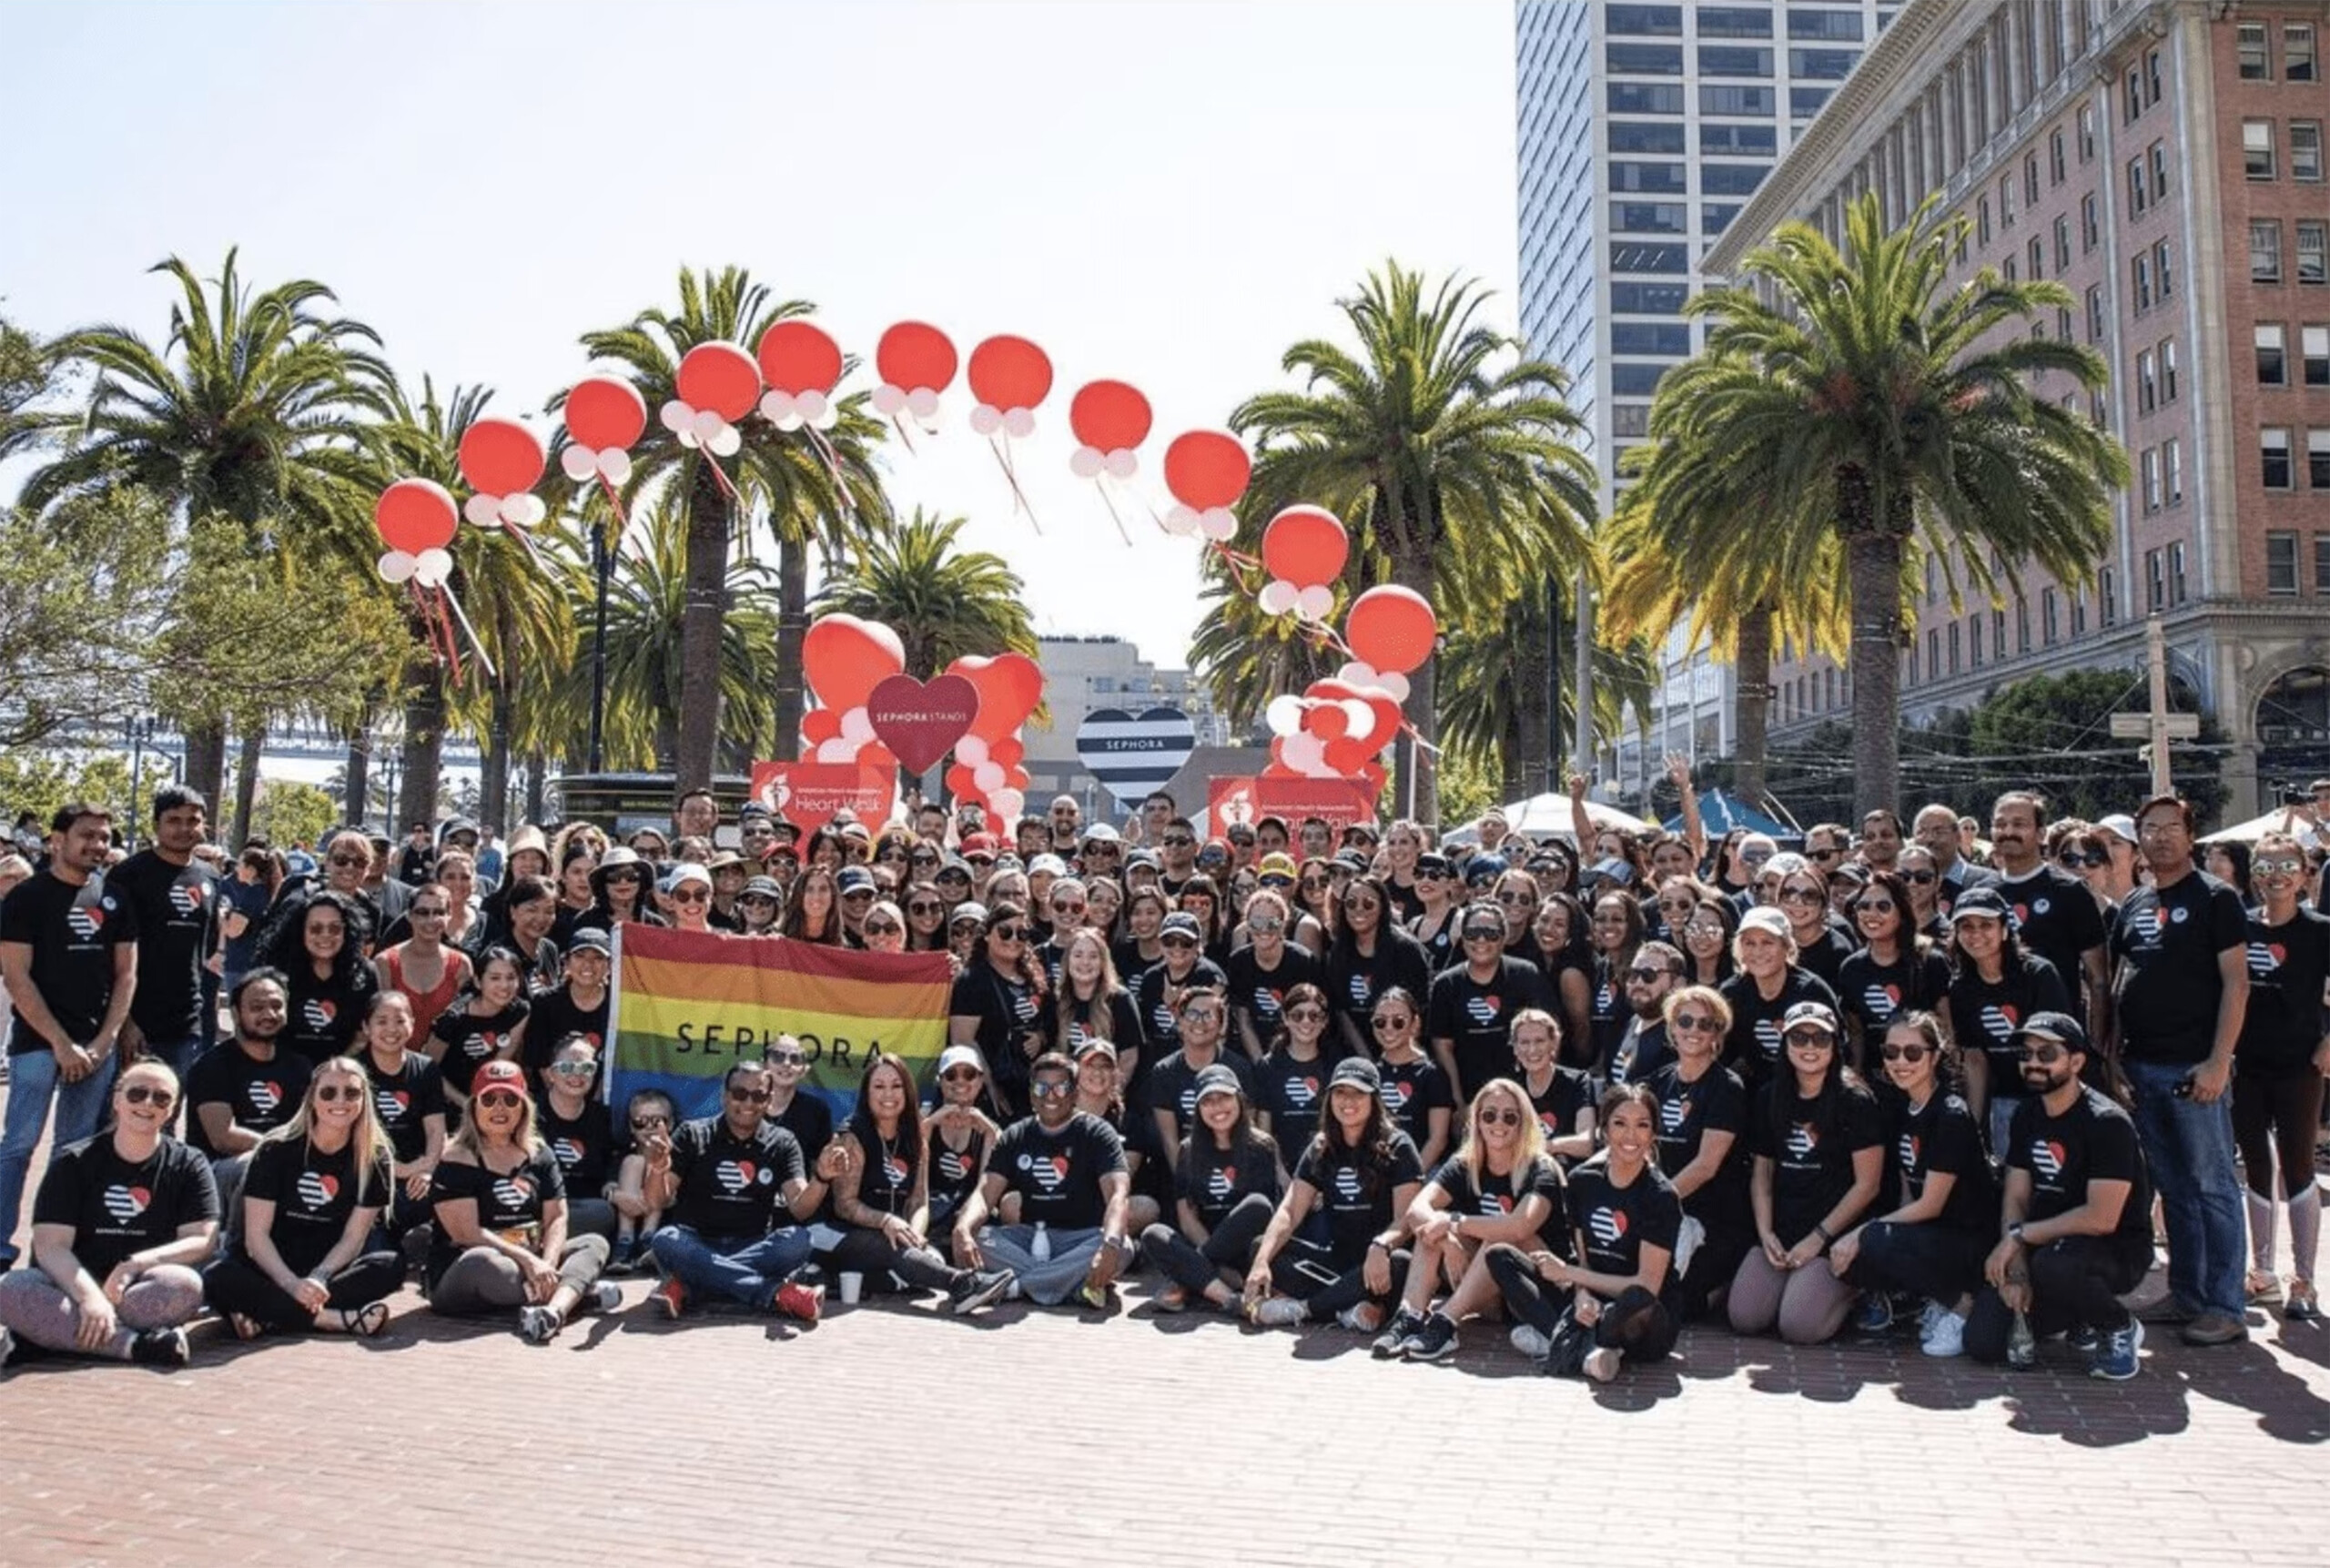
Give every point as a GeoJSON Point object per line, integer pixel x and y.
{"type": "Point", "coordinates": [853, 1286]}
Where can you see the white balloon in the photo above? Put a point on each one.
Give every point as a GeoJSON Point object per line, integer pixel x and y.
{"type": "Point", "coordinates": [1361, 716]}
{"type": "Point", "coordinates": [827, 418]}
{"type": "Point", "coordinates": [1124, 462]}
{"type": "Point", "coordinates": [986, 420]}
{"type": "Point", "coordinates": [1181, 522]}
{"type": "Point", "coordinates": [614, 466]}
{"type": "Point", "coordinates": [811, 404]}
{"type": "Point", "coordinates": [1085, 462]}
{"type": "Point", "coordinates": [579, 462]}
{"type": "Point", "coordinates": [485, 511]}
{"type": "Point", "coordinates": [923, 402]}
{"type": "Point", "coordinates": [725, 442]}
{"type": "Point", "coordinates": [430, 568]}
{"type": "Point", "coordinates": [776, 407]}
{"type": "Point", "coordinates": [1006, 802]}
{"type": "Point", "coordinates": [1284, 715]}
{"type": "Point", "coordinates": [790, 423]}
{"type": "Point", "coordinates": [989, 776]}
{"type": "Point", "coordinates": [970, 751]}
{"type": "Point", "coordinates": [706, 423]}
{"type": "Point", "coordinates": [1315, 602]}
{"type": "Point", "coordinates": [840, 748]}
{"type": "Point", "coordinates": [857, 725]}
{"type": "Point", "coordinates": [675, 416]}
{"type": "Point", "coordinates": [523, 511]}
{"type": "Point", "coordinates": [1358, 672]}
{"type": "Point", "coordinates": [1277, 596]}
{"type": "Point", "coordinates": [1020, 423]}
{"type": "Point", "coordinates": [1218, 523]}
{"type": "Point", "coordinates": [889, 400]}
{"type": "Point", "coordinates": [1395, 684]}
{"type": "Point", "coordinates": [1303, 751]}
{"type": "Point", "coordinates": [396, 565]}
{"type": "Point", "coordinates": [687, 439]}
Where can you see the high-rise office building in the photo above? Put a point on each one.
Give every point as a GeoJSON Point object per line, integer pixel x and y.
{"type": "Point", "coordinates": [1643, 130]}
{"type": "Point", "coordinates": [2163, 159]}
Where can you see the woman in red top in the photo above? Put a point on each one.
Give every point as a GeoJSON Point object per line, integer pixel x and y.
{"type": "Point", "coordinates": [428, 971]}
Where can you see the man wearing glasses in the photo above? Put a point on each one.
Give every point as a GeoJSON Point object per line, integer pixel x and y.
{"type": "Point", "coordinates": [2053, 913]}
{"type": "Point", "coordinates": [1937, 830]}
{"type": "Point", "coordinates": [1184, 966]}
{"type": "Point", "coordinates": [1067, 823]}
{"type": "Point", "coordinates": [1179, 843]}
{"type": "Point", "coordinates": [738, 1205]}
{"type": "Point", "coordinates": [1474, 1001]}
{"type": "Point", "coordinates": [1656, 970]}
{"type": "Point", "coordinates": [1068, 1169]}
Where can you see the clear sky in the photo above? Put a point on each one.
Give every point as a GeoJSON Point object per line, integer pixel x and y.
{"type": "Point", "coordinates": [1168, 194]}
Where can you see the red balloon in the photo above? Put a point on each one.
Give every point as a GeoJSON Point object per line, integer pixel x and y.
{"type": "Point", "coordinates": [1346, 755]}
{"type": "Point", "coordinates": [1008, 753]}
{"type": "Point", "coordinates": [501, 457]}
{"type": "Point", "coordinates": [1306, 545]}
{"type": "Point", "coordinates": [798, 357]}
{"type": "Point", "coordinates": [1016, 778]}
{"type": "Point", "coordinates": [914, 355]}
{"type": "Point", "coordinates": [819, 726]}
{"type": "Point", "coordinates": [416, 514]}
{"type": "Point", "coordinates": [1109, 416]}
{"type": "Point", "coordinates": [720, 376]}
{"type": "Point", "coordinates": [846, 658]}
{"type": "Point", "coordinates": [961, 784]}
{"type": "Point", "coordinates": [1206, 469]}
{"type": "Point", "coordinates": [1010, 685]}
{"type": "Point", "coordinates": [1011, 374]}
{"type": "Point", "coordinates": [1392, 628]}
{"type": "Point", "coordinates": [605, 414]}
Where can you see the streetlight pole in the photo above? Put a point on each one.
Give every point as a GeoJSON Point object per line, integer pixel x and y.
{"type": "Point", "coordinates": [601, 562]}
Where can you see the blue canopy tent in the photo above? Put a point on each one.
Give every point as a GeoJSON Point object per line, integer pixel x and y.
{"type": "Point", "coordinates": [1721, 812]}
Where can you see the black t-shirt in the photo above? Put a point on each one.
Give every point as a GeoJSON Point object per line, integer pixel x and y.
{"type": "Point", "coordinates": [323, 1016]}
{"type": "Point", "coordinates": [1812, 1154]}
{"type": "Point", "coordinates": [174, 905]}
{"type": "Point", "coordinates": [584, 1147]}
{"type": "Point", "coordinates": [1173, 1085]}
{"type": "Point", "coordinates": [1353, 979]}
{"type": "Point", "coordinates": [1713, 1102]}
{"type": "Point", "coordinates": [1478, 1016]}
{"type": "Point", "coordinates": [1007, 1011]}
{"type": "Point", "coordinates": [2057, 918]}
{"type": "Point", "coordinates": [1260, 996]}
{"type": "Point", "coordinates": [2287, 966]}
{"type": "Point", "coordinates": [1115, 1019]}
{"type": "Point", "coordinates": [810, 1120]}
{"type": "Point", "coordinates": [954, 1172]}
{"type": "Point", "coordinates": [1872, 992]}
{"type": "Point", "coordinates": [73, 932]}
{"type": "Point", "coordinates": [264, 1096]}
{"type": "Point", "coordinates": [1356, 1192]}
{"type": "Point", "coordinates": [1288, 1092]}
{"type": "Point", "coordinates": [1941, 1136]}
{"type": "Point", "coordinates": [731, 1187]}
{"type": "Point", "coordinates": [1983, 1017]}
{"type": "Point", "coordinates": [1407, 902]}
{"type": "Point", "coordinates": [555, 1016]}
{"type": "Point", "coordinates": [404, 1100]}
{"type": "Point", "coordinates": [2165, 992]}
{"type": "Point", "coordinates": [1214, 1180]}
{"type": "Point", "coordinates": [314, 1193]}
{"type": "Point", "coordinates": [1752, 1048]}
{"type": "Point", "coordinates": [1157, 1020]}
{"type": "Point", "coordinates": [1058, 1174]}
{"type": "Point", "coordinates": [1439, 947]}
{"type": "Point", "coordinates": [1608, 1011]}
{"type": "Point", "coordinates": [2095, 1140]}
{"type": "Point", "coordinates": [115, 1206]}
{"type": "Point", "coordinates": [1495, 1197]}
{"type": "Point", "coordinates": [509, 1206]}
{"type": "Point", "coordinates": [1614, 1223]}
{"type": "Point", "coordinates": [1825, 955]}
{"type": "Point", "coordinates": [1568, 1092]}
{"type": "Point", "coordinates": [885, 1180]}
{"type": "Point", "coordinates": [473, 1039]}
{"type": "Point", "coordinates": [1411, 1091]}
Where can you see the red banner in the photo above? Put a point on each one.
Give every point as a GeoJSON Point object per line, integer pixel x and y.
{"type": "Point", "coordinates": [1336, 802]}
{"type": "Point", "coordinates": [807, 795]}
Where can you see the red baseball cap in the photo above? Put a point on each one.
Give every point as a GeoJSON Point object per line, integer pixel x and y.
{"type": "Point", "coordinates": [979, 843]}
{"type": "Point", "coordinates": [499, 1075]}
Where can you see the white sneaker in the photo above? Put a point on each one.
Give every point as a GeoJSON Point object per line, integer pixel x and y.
{"type": "Point", "coordinates": [1602, 1363]}
{"type": "Point", "coordinates": [1530, 1342]}
{"type": "Point", "coordinates": [1944, 1336]}
{"type": "Point", "coordinates": [1281, 1312]}
{"type": "Point", "coordinates": [1925, 1320]}
{"type": "Point", "coordinates": [606, 1295]}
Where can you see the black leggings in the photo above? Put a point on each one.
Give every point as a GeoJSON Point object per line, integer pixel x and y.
{"type": "Point", "coordinates": [1708, 1278]}
{"type": "Point", "coordinates": [1923, 1260]}
{"type": "Point", "coordinates": [869, 1252]}
{"type": "Point", "coordinates": [2276, 1110]}
{"type": "Point", "coordinates": [234, 1285]}
{"type": "Point", "coordinates": [2074, 1282]}
{"type": "Point", "coordinates": [1637, 1323]}
{"type": "Point", "coordinates": [1311, 1274]}
{"type": "Point", "coordinates": [1230, 1245]}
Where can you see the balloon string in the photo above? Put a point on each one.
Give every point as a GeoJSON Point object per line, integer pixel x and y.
{"type": "Point", "coordinates": [825, 449]}
{"type": "Point", "coordinates": [1018, 496]}
{"type": "Point", "coordinates": [615, 501]}
{"type": "Point", "coordinates": [900, 425]}
{"type": "Point", "coordinates": [532, 555]}
{"type": "Point", "coordinates": [455, 605]}
{"type": "Point", "coordinates": [721, 478]}
{"type": "Point", "coordinates": [1101, 484]}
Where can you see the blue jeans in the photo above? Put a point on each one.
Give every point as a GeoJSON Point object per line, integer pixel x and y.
{"type": "Point", "coordinates": [32, 1081]}
{"type": "Point", "coordinates": [2189, 1149]}
{"type": "Point", "coordinates": [1050, 1281]}
{"type": "Point", "coordinates": [746, 1268]}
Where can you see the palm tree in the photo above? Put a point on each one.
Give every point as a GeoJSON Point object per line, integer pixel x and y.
{"type": "Point", "coordinates": [1868, 402]}
{"type": "Point", "coordinates": [780, 477]}
{"type": "Point", "coordinates": [1460, 479]}
{"type": "Point", "coordinates": [250, 409]}
{"type": "Point", "coordinates": [944, 602]}
{"type": "Point", "coordinates": [1487, 692]}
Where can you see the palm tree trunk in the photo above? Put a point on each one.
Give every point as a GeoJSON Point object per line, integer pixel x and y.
{"type": "Point", "coordinates": [1752, 682]}
{"type": "Point", "coordinates": [356, 778]}
{"type": "Point", "coordinates": [791, 631]}
{"type": "Point", "coordinates": [537, 766]}
{"type": "Point", "coordinates": [709, 530]}
{"type": "Point", "coordinates": [493, 771]}
{"type": "Point", "coordinates": [424, 746]}
{"type": "Point", "coordinates": [1512, 751]}
{"type": "Point", "coordinates": [1873, 575]}
{"type": "Point", "coordinates": [206, 760]}
{"type": "Point", "coordinates": [246, 779]}
{"type": "Point", "coordinates": [1529, 771]}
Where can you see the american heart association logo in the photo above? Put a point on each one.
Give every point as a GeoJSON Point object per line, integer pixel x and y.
{"type": "Point", "coordinates": [513, 1192]}
{"type": "Point", "coordinates": [264, 1095]}
{"type": "Point", "coordinates": [894, 1171]}
{"type": "Point", "coordinates": [480, 1046]}
{"type": "Point", "coordinates": [2047, 1157]}
{"type": "Point", "coordinates": [1999, 1022]}
{"type": "Point", "coordinates": [1483, 1010]}
{"type": "Point", "coordinates": [86, 920]}
{"type": "Point", "coordinates": [2265, 957]}
{"type": "Point", "coordinates": [1496, 1204]}
{"type": "Point", "coordinates": [1672, 1112]}
{"type": "Point", "coordinates": [126, 1203]}
{"type": "Point", "coordinates": [1221, 1183]}
{"type": "Point", "coordinates": [734, 1175]}
{"type": "Point", "coordinates": [1906, 1152]}
{"type": "Point", "coordinates": [1347, 1185]}
{"type": "Point", "coordinates": [1302, 1092]}
{"type": "Point", "coordinates": [1361, 990]}
{"type": "Point", "coordinates": [1606, 1226]}
{"type": "Point", "coordinates": [1767, 1039]}
{"type": "Point", "coordinates": [955, 1165]}
{"type": "Point", "coordinates": [1803, 1138]}
{"type": "Point", "coordinates": [316, 1190]}
{"type": "Point", "coordinates": [391, 1105]}
{"type": "Point", "coordinates": [567, 1151]}
{"type": "Point", "coordinates": [319, 1012]}
{"type": "Point", "coordinates": [186, 898]}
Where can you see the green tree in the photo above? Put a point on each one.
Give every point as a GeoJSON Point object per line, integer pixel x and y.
{"type": "Point", "coordinates": [943, 601]}
{"type": "Point", "coordinates": [39, 781]}
{"type": "Point", "coordinates": [289, 812]}
{"type": "Point", "coordinates": [2054, 734]}
{"type": "Point", "coordinates": [1456, 468]}
{"type": "Point", "coordinates": [1859, 397]}
{"type": "Point", "coordinates": [1484, 703]}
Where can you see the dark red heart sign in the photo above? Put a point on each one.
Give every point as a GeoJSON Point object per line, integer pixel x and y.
{"type": "Point", "coordinates": [921, 723]}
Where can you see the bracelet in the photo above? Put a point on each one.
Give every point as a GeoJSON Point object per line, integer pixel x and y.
{"type": "Point", "coordinates": [1822, 1232]}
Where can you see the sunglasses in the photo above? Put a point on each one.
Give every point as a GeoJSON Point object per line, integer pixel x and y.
{"type": "Point", "coordinates": [2279, 868]}
{"type": "Point", "coordinates": [691, 895]}
{"type": "Point", "coordinates": [573, 1070]}
{"type": "Point", "coordinates": [1006, 933]}
{"type": "Point", "coordinates": [492, 1100]}
{"type": "Point", "coordinates": [1051, 1088]}
{"type": "Point", "coordinates": [2044, 1055]}
{"type": "Point", "coordinates": [1204, 1014]}
{"type": "Point", "coordinates": [328, 1095]}
{"type": "Point", "coordinates": [1823, 854]}
{"type": "Point", "coordinates": [960, 1076]}
{"type": "Point", "coordinates": [1315, 884]}
{"type": "Point", "coordinates": [760, 899]}
{"type": "Point", "coordinates": [1913, 1053]}
{"type": "Point", "coordinates": [1266, 926]}
{"type": "Point", "coordinates": [2072, 859]}
{"type": "Point", "coordinates": [1177, 841]}
{"type": "Point", "coordinates": [1800, 895]}
{"type": "Point", "coordinates": [925, 906]}
{"type": "Point", "coordinates": [1494, 1116]}
{"type": "Point", "coordinates": [632, 877]}
{"type": "Point", "coordinates": [1059, 907]}
{"type": "Point", "coordinates": [1820, 1037]}
{"type": "Point", "coordinates": [345, 860]}
{"type": "Point", "coordinates": [1874, 906]}
{"type": "Point", "coordinates": [426, 912]}
{"type": "Point", "coordinates": [1703, 929]}
{"type": "Point", "coordinates": [642, 1123]}
{"type": "Point", "coordinates": [785, 1058]}
{"type": "Point", "coordinates": [1484, 934]}
{"type": "Point", "coordinates": [1697, 1023]}
{"type": "Point", "coordinates": [1649, 972]}
{"type": "Point", "coordinates": [148, 1094]}
{"type": "Point", "coordinates": [749, 1096]}
{"type": "Point", "coordinates": [1919, 878]}
{"type": "Point", "coordinates": [1277, 882]}
{"type": "Point", "coordinates": [1517, 897]}
{"type": "Point", "coordinates": [1395, 1024]}
{"type": "Point", "coordinates": [883, 927]}
{"type": "Point", "coordinates": [923, 859]}
{"type": "Point", "coordinates": [1178, 940]}
{"type": "Point", "coordinates": [1367, 903]}
{"type": "Point", "coordinates": [1305, 1015]}
{"type": "Point", "coordinates": [865, 893]}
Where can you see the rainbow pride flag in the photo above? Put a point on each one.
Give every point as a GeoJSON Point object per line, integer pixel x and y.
{"type": "Point", "coordinates": [690, 1005]}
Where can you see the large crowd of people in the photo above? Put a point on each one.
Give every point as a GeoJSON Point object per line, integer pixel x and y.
{"type": "Point", "coordinates": [1590, 1089]}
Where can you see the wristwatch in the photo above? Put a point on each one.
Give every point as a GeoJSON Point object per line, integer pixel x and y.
{"type": "Point", "coordinates": [2014, 1234]}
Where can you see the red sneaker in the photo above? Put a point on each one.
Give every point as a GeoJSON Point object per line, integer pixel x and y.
{"type": "Point", "coordinates": [671, 1297]}
{"type": "Point", "coordinates": [798, 1302]}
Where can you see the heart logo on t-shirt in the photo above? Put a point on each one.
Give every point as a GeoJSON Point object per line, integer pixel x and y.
{"type": "Point", "coordinates": [316, 1189]}
{"type": "Point", "coordinates": [1999, 1022]}
{"type": "Point", "coordinates": [1220, 1183]}
{"type": "Point", "coordinates": [1300, 1093]}
{"type": "Point", "coordinates": [513, 1192]}
{"type": "Point", "coordinates": [1672, 1113]}
{"type": "Point", "coordinates": [390, 1104]}
{"type": "Point", "coordinates": [567, 1151]}
{"type": "Point", "coordinates": [1496, 1205]}
{"type": "Point", "coordinates": [126, 1203]}
{"type": "Point", "coordinates": [734, 1175]}
{"type": "Point", "coordinates": [1880, 1001]}
{"type": "Point", "coordinates": [2265, 957]}
{"type": "Point", "coordinates": [1397, 1094]}
{"type": "Point", "coordinates": [85, 920]}
{"type": "Point", "coordinates": [894, 1171]}
{"type": "Point", "coordinates": [319, 1012]}
{"type": "Point", "coordinates": [1767, 1039]}
{"type": "Point", "coordinates": [1803, 1138]}
{"type": "Point", "coordinates": [186, 898]}
{"type": "Point", "coordinates": [2047, 1157]}
{"type": "Point", "coordinates": [1553, 1128]}
{"type": "Point", "coordinates": [2145, 924]}
{"type": "Point", "coordinates": [1606, 1226]}
{"type": "Point", "coordinates": [264, 1095]}
{"type": "Point", "coordinates": [955, 1165]}
{"type": "Point", "coordinates": [1268, 1004]}
{"type": "Point", "coordinates": [1907, 1151]}
{"type": "Point", "coordinates": [1483, 1010]}
{"type": "Point", "coordinates": [1048, 1171]}
{"type": "Point", "coordinates": [1348, 1189]}
{"type": "Point", "coordinates": [1362, 991]}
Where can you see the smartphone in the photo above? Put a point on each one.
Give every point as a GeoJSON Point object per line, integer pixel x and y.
{"type": "Point", "coordinates": [2183, 1090]}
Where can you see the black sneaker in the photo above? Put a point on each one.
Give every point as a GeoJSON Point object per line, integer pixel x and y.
{"type": "Point", "coordinates": [160, 1348]}
{"type": "Point", "coordinates": [1404, 1321]}
{"type": "Point", "coordinates": [1436, 1338]}
{"type": "Point", "coordinates": [969, 1292]}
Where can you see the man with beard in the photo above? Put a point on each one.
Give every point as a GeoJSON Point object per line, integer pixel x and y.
{"type": "Point", "coordinates": [2054, 915]}
{"type": "Point", "coordinates": [1068, 1169]}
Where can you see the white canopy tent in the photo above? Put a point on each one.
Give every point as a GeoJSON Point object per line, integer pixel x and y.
{"type": "Point", "coordinates": [2281, 819]}
{"type": "Point", "coordinates": [1548, 815]}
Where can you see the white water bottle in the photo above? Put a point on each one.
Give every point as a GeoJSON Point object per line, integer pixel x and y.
{"type": "Point", "coordinates": [1040, 1249]}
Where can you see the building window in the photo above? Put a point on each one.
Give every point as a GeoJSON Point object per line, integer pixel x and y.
{"type": "Point", "coordinates": [1630, 419]}
{"type": "Point", "coordinates": [2062, 242]}
{"type": "Point", "coordinates": [1933, 653]}
{"type": "Point", "coordinates": [2147, 383]}
{"type": "Point", "coordinates": [2171, 471]}
{"type": "Point", "coordinates": [2163, 270]}
{"type": "Point", "coordinates": [2312, 249]}
{"type": "Point", "coordinates": [1998, 634]}
{"type": "Point", "coordinates": [2078, 617]}
{"type": "Point", "coordinates": [2086, 134]}
{"type": "Point", "coordinates": [1730, 21]}
{"type": "Point", "coordinates": [2317, 459]}
{"type": "Point", "coordinates": [2264, 250]}
{"type": "Point", "coordinates": [2150, 466]}
{"type": "Point", "coordinates": [1982, 221]}
{"type": "Point", "coordinates": [2281, 565]}
{"type": "Point", "coordinates": [1974, 642]}
{"type": "Point", "coordinates": [2314, 348]}
{"type": "Point", "coordinates": [2252, 51]}
{"type": "Point", "coordinates": [2095, 314]}
{"type": "Point", "coordinates": [2177, 572]}
{"type": "Point", "coordinates": [2107, 598]}
{"type": "Point", "coordinates": [2132, 97]}
{"type": "Point", "coordinates": [2037, 253]}
{"type": "Point", "coordinates": [2158, 161]}
{"type": "Point", "coordinates": [2272, 354]}
{"type": "Point", "coordinates": [2055, 156]}
{"type": "Point", "coordinates": [2021, 625]}
{"type": "Point", "coordinates": [2047, 635]}
{"type": "Point", "coordinates": [2139, 191]}
{"type": "Point", "coordinates": [1953, 647]}
{"type": "Point", "coordinates": [2273, 455]}
{"type": "Point", "coordinates": [2297, 51]}
{"type": "Point", "coordinates": [2322, 564]}
{"type": "Point", "coordinates": [2257, 148]}
{"type": "Point", "coordinates": [2012, 269]}
{"type": "Point", "coordinates": [2087, 223]}
{"type": "Point", "coordinates": [1735, 60]}
{"type": "Point", "coordinates": [1646, 99]}
{"type": "Point", "coordinates": [2152, 77]}
{"type": "Point", "coordinates": [1644, 59]}
{"type": "Point", "coordinates": [2155, 582]}
{"type": "Point", "coordinates": [2006, 202]}
{"type": "Point", "coordinates": [2167, 370]}
{"type": "Point", "coordinates": [2305, 150]}
{"type": "Point", "coordinates": [2030, 180]}
{"type": "Point", "coordinates": [2143, 268]}
{"type": "Point", "coordinates": [1839, 26]}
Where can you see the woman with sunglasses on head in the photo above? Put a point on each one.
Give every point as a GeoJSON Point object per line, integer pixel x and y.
{"type": "Point", "coordinates": [619, 883]}
{"type": "Point", "coordinates": [1934, 1243]}
{"type": "Point", "coordinates": [578, 1130]}
{"type": "Point", "coordinates": [1369, 955]}
{"type": "Point", "coordinates": [1363, 1172]}
{"type": "Point", "coordinates": [1262, 972]}
{"type": "Point", "coordinates": [489, 1023]}
{"type": "Point", "coordinates": [998, 1004]}
{"type": "Point", "coordinates": [813, 912]}
{"type": "Point", "coordinates": [1818, 1141]}
{"type": "Point", "coordinates": [957, 1132]}
{"type": "Point", "coordinates": [409, 1098]}
{"type": "Point", "coordinates": [1416, 1089]}
{"type": "Point", "coordinates": [502, 1239]}
{"type": "Point", "coordinates": [1768, 987]}
{"type": "Point", "coordinates": [1562, 1097]}
{"type": "Point", "coordinates": [1706, 940]}
{"type": "Point", "coordinates": [1293, 1075]}
{"type": "Point", "coordinates": [1500, 1188]}
{"type": "Point", "coordinates": [112, 1276]}
{"type": "Point", "coordinates": [1895, 971]}
{"type": "Point", "coordinates": [311, 1198]}
{"type": "Point", "coordinates": [321, 948]}
{"type": "Point", "coordinates": [1315, 891]}
{"type": "Point", "coordinates": [1435, 930]}
{"type": "Point", "coordinates": [1701, 1131]}
{"type": "Point", "coordinates": [422, 968]}
{"type": "Point", "coordinates": [881, 1201]}
{"type": "Point", "coordinates": [2278, 1065]}
{"type": "Point", "coordinates": [1994, 986]}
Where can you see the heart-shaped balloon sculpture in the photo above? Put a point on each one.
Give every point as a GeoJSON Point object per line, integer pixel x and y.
{"type": "Point", "coordinates": [920, 722]}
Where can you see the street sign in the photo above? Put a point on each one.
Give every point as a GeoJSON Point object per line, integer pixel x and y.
{"type": "Point", "coordinates": [2138, 726]}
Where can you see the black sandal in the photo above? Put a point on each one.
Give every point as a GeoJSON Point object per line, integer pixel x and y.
{"type": "Point", "coordinates": [366, 1322]}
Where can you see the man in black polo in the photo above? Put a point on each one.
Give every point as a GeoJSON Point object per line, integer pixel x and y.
{"type": "Point", "coordinates": [1068, 1169]}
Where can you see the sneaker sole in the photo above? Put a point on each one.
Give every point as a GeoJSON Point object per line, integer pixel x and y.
{"type": "Point", "coordinates": [985, 1297]}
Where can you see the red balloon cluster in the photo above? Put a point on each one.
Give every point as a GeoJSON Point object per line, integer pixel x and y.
{"type": "Point", "coordinates": [986, 768]}
{"type": "Point", "coordinates": [916, 363]}
{"type": "Point", "coordinates": [1339, 725]}
{"type": "Point", "coordinates": [843, 659]}
{"type": "Point", "coordinates": [502, 461]}
{"type": "Point", "coordinates": [1206, 470]}
{"type": "Point", "coordinates": [1303, 552]}
{"type": "Point", "coordinates": [605, 416]}
{"type": "Point", "coordinates": [1110, 419]}
{"type": "Point", "coordinates": [801, 364]}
